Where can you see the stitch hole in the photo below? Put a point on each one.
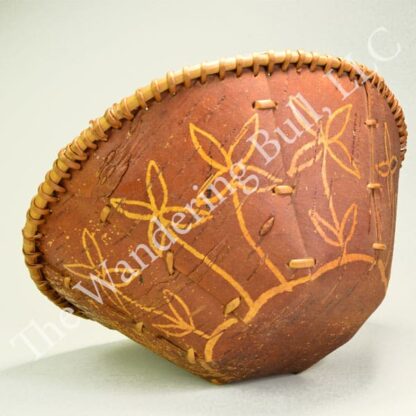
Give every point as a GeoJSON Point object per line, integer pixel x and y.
{"type": "Point", "coordinates": [379, 246]}
{"type": "Point", "coordinates": [67, 282]}
{"type": "Point", "coordinates": [139, 326]}
{"type": "Point", "coordinates": [256, 64]}
{"type": "Point", "coordinates": [371, 122]}
{"type": "Point", "coordinates": [373, 186]}
{"type": "Point", "coordinates": [190, 356]}
{"type": "Point", "coordinates": [305, 263]}
{"type": "Point", "coordinates": [232, 305]}
{"type": "Point", "coordinates": [264, 104]}
{"type": "Point", "coordinates": [283, 190]}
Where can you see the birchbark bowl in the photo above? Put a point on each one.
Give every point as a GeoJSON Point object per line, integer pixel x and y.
{"type": "Point", "coordinates": [236, 217]}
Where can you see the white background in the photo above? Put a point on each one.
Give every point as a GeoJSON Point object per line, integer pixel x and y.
{"type": "Point", "coordinates": [63, 63]}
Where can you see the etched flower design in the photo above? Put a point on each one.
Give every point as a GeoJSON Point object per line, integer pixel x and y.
{"type": "Point", "coordinates": [390, 164]}
{"type": "Point", "coordinates": [387, 168]}
{"type": "Point", "coordinates": [157, 208]}
{"type": "Point", "coordinates": [96, 265]}
{"type": "Point", "coordinates": [326, 142]}
{"type": "Point", "coordinates": [226, 161]}
{"type": "Point", "coordinates": [177, 323]}
{"type": "Point", "coordinates": [96, 270]}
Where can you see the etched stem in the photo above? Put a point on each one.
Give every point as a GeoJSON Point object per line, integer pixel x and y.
{"type": "Point", "coordinates": [246, 234]}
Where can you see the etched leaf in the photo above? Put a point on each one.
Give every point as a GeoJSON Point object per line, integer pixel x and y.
{"type": "Point", "coordinates": [337, 123]}
{"type": "Point", "coordinates": [92, 250]}
{"type": "Point", "coordinates": [156, 187]}
{"type": "Point", "coordinates": [80, 270]}
{"type": "Point", "coordinates": [206, 145]}
{"type": "Point", "coordinates": [178, 307]}
{"type": "Point", "coordinates": [134, 210]}
{"type": "Point", "coordinates": [173, 330]}
{"type": "Point", "coordinates": [327, 231]}
{"type": "Point", "coordinates": [266, 181]}
{"type": "Point", "coordinates": [96, 270]}
{"type": "Point", "coordinates": [348, 224]}
{"type": "Point", "coordinates": [180, 321]}
{"type": "Point", "coordinates": [248, 131]}
{"type": "Point", "coordinates": [305, 157]}
{"type": "Point", "coordinates": [341, 156]}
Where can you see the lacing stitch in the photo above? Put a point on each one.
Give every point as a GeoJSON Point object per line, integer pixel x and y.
{"type": "Point", "coordinates": [154, 86]}
{"type": "Point", "coordinates": [170, 80]}
{"type": "Point", "coordinates": [186, 77]}
{"type": "Point", "coordinates": [111, 116]}
{"type": "Point", "coordinates": [203, 77]}
{"type": "Point", "coordinates": [125, 110]}
{"type": "Point", "coordinates": [140, 99]}
{"type": "Point", "coordinates": [239, 62]}
{"type": "Point", "coordinates": [97, 129]}
{"type": "Point", "coordinates": [272, 60]}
